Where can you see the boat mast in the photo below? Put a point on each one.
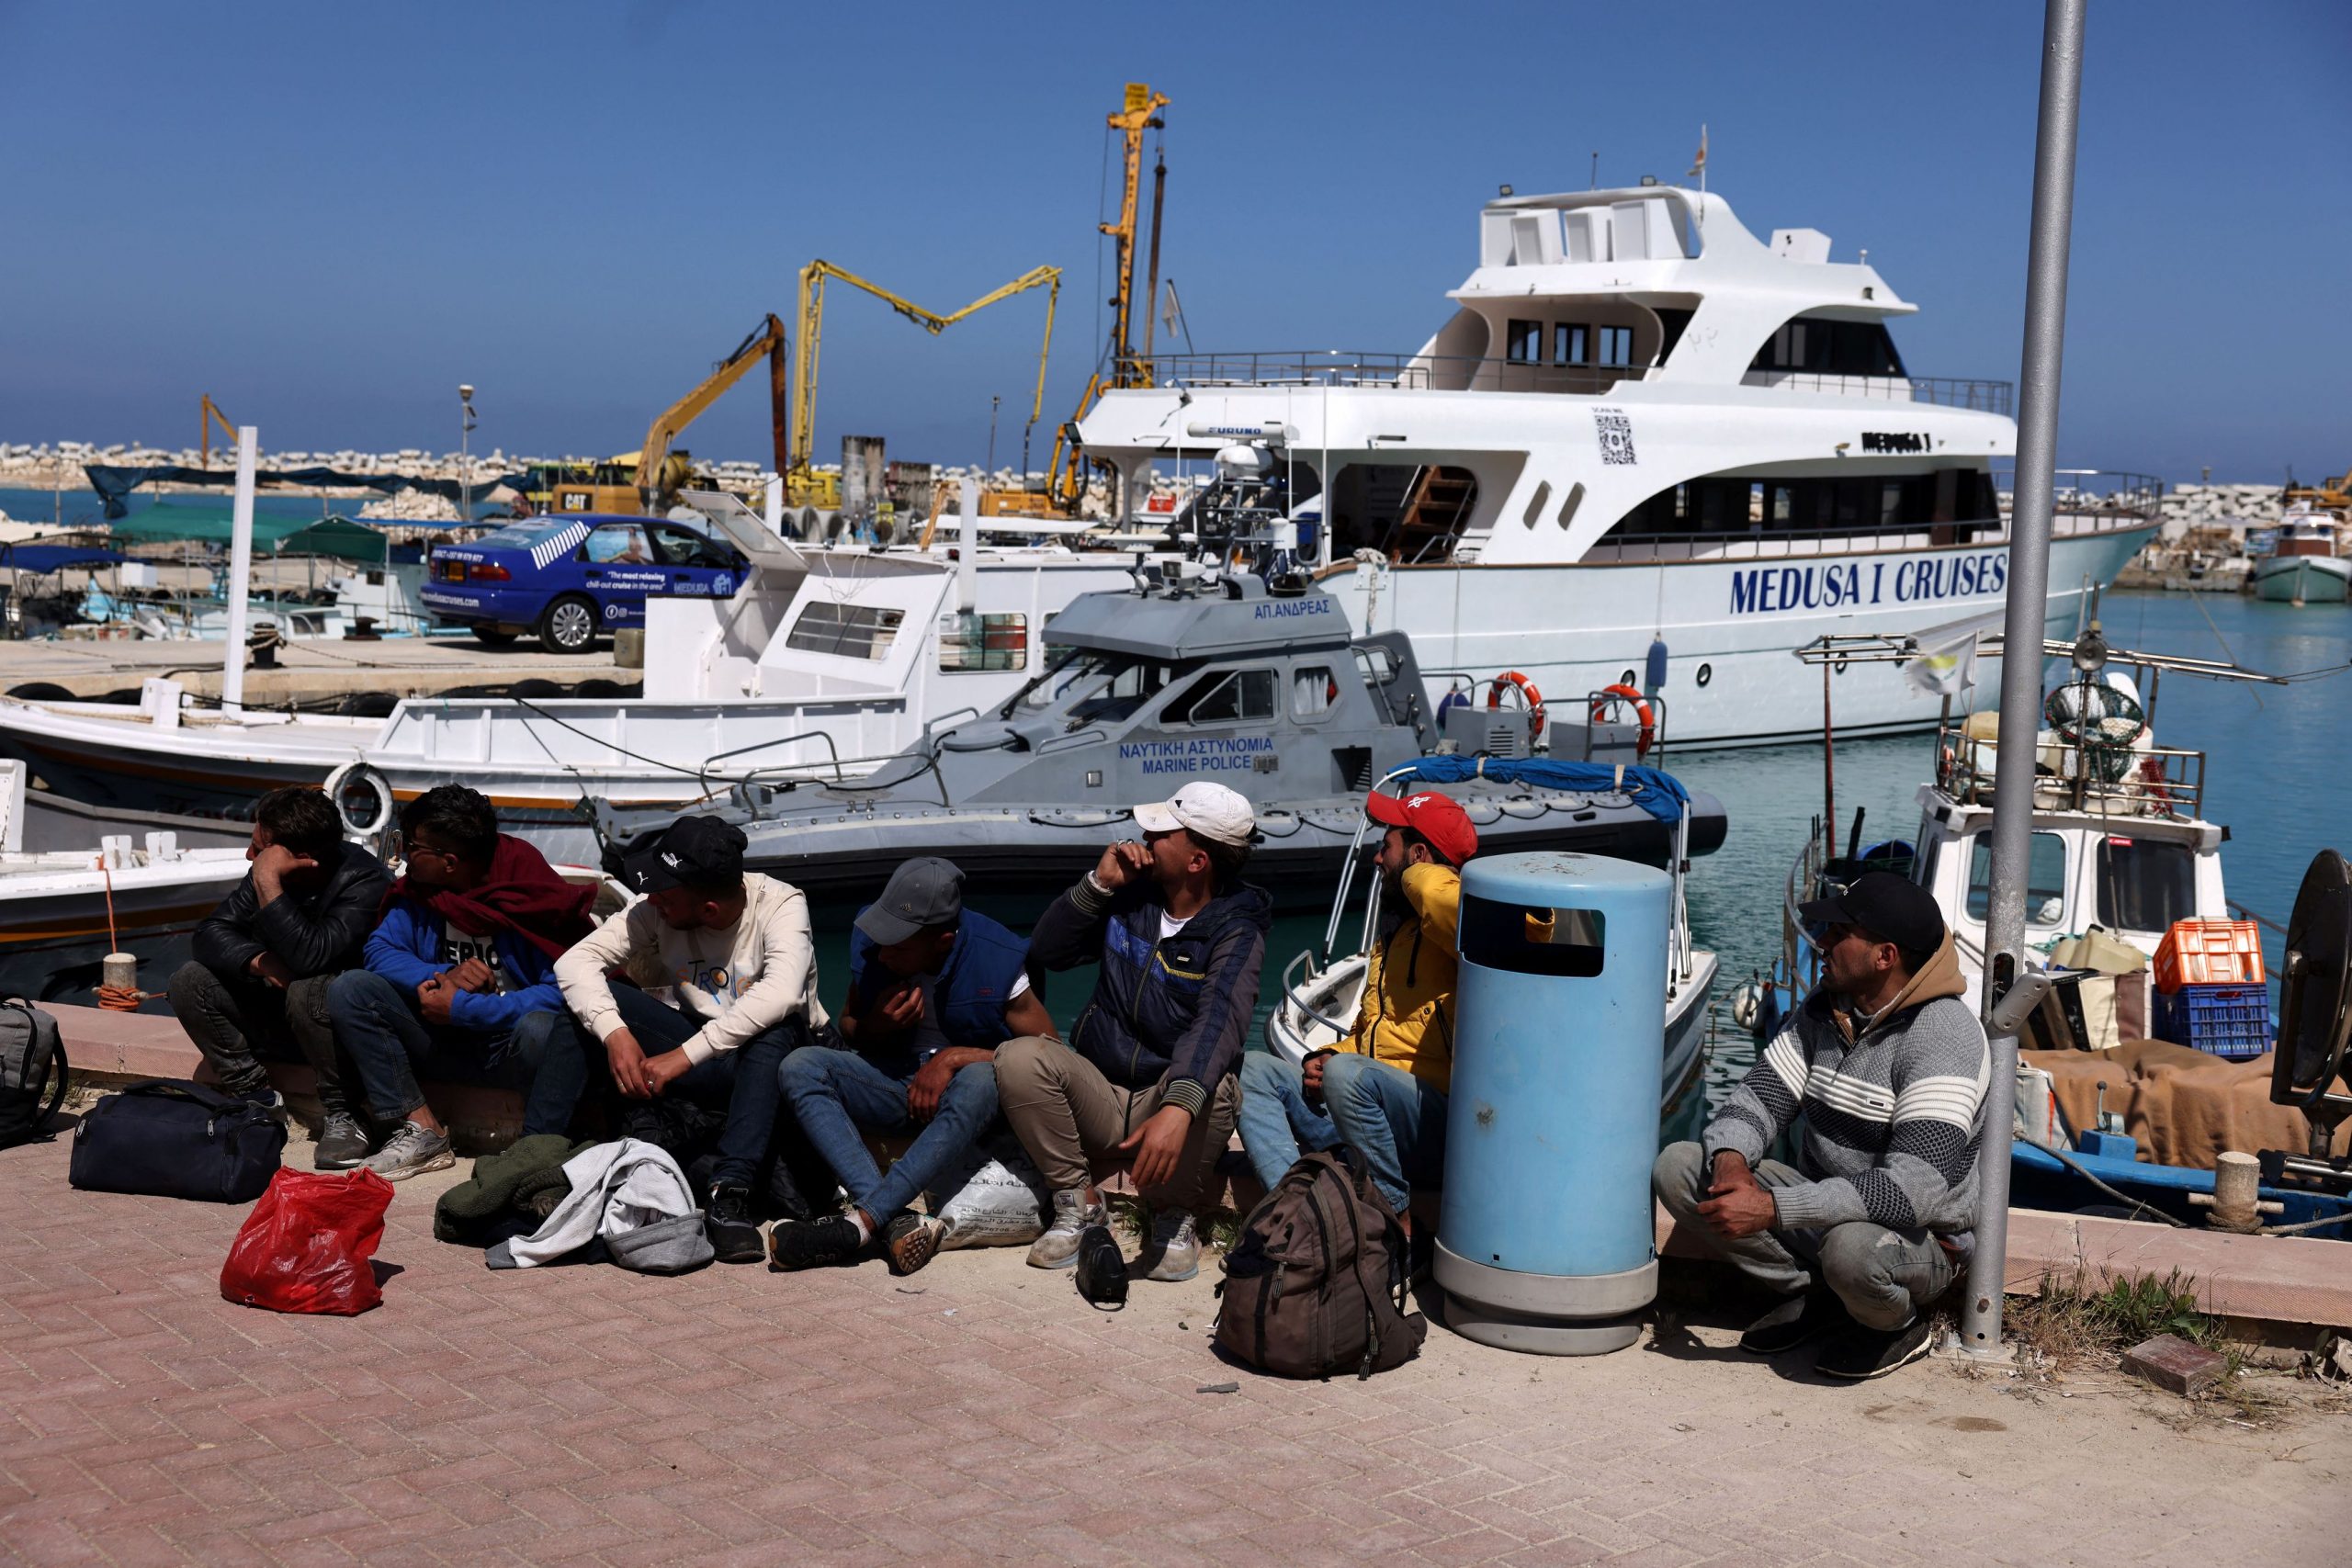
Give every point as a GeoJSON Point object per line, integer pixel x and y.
{"type": "Point", "coordinates": [2029, 529]}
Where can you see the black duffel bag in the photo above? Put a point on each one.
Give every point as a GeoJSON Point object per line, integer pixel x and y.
{"type": "Point", "coordinates": [171, 1138]}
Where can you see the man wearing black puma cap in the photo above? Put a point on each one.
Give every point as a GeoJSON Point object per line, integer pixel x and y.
{"type": "Point", "coordinates": [1888, 1066]}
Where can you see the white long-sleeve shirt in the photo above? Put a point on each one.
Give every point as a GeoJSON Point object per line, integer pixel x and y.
{"type": "Point", "coordinates": [755, 972]}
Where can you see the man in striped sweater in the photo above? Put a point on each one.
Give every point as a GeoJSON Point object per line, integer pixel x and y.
{"type": "Point", "coordinates": [1887, 1065]}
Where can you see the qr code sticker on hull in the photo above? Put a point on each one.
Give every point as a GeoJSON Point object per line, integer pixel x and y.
{"type": "Point", "coordinates": [1616, 433]}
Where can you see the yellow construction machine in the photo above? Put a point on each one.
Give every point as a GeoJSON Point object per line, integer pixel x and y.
{"type": "Point", "coordinates": [658, 470]}
{"type": "Point", "coordinates": [2334, 494]}
{"type": "Point", "coordinates": [803, 485]}
{"type": "Point", "coordinates": [206, 414]}
{"type": "Point", "coordinates": [1064, 477]}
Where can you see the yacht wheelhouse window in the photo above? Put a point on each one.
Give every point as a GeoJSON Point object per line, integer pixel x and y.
{"type": "Point", "coordinates": [2045, 880]}
{"type": "Point", "coordinates": [970, 642]}
{"type": "Point", "coordinates": [1830, 348]}
{"type": "Point", "coordinates": [1616, 345]}
{"type": "Point", "coordinates": [1225, 696]}
{"type": "Point", "coordinates": [2144, 885]}
{"type": "Point", "coordinates": [1571, 343]}
{"type": "Point", "coordinates": [1523, 342]}
{"type": "Point", "coordinates": [847, 631]}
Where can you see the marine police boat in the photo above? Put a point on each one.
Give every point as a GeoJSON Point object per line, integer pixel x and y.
{"type": "Point", "coordinates": [1265, 689]}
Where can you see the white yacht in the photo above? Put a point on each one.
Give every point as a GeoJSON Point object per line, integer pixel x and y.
{"type": "Point", "coordinates": [1640, 424]}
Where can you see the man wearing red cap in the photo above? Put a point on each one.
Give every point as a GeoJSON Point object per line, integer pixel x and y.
{"type": "Point", "coordinates": [1382, 1091]}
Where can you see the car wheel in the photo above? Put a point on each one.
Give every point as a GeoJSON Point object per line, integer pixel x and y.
{"type": "Point", "coordinates": [491, 636]}
{"type": "Point", "coordinates": [568, 625]}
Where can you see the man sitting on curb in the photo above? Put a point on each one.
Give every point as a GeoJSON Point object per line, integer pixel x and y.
{"type": "Point", "coordinates": [264, 959]}
{"type": "Point", "coordinates": [1151, 1070]}
{"type": "Point", "coordinates": [1383, 1090]}
{"type": "Point", "coordinates": [460, 972]}
{"type": "Point", "coordinates": [736, 951]}
{"type": "Point", "coordinates": [933, 989]}
{"type": "Point", "coordinates": [1888, 1066]}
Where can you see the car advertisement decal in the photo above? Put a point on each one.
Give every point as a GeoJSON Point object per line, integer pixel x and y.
{"type": "Point", "coordinates": [559, 543]}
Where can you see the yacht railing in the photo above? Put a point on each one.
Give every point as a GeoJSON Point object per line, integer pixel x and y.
{"type": "Point", "coordinates": [2122, 779]}
{"type": "Point", "coordinates": [1443, 372]}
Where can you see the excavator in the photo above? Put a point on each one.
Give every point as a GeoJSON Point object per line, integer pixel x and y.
{"type": "Point", "coordinates": [2334, 494]}
{"type": "Point", "coordinates": [803, 486]}
{"type": "Point", "coordinates": [658, 470]}
{"type": "Point", "coordinates": [207, 413]}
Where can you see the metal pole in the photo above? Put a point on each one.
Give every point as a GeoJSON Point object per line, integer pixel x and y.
{"type": "Point", "coordinates": [1829, 771]}
{"type": "Point", "coordinates": [240, 563]}
{"type": "Point", "coordinates": [2029, 609]}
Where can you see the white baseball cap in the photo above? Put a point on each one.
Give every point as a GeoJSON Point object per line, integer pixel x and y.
{"type": "Point", "coordinates": [1206, 810]}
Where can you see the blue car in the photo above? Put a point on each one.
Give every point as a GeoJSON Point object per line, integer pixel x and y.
{"type": "Point", "coordinates": [567, 579]}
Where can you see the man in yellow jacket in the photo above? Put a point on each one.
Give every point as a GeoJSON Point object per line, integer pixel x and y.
{"type": "Point", "coordinates": [1381, 1091]}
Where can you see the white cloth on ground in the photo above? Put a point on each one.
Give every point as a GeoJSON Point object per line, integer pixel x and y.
{"type": "Point", "coordinates": [632, 1196]}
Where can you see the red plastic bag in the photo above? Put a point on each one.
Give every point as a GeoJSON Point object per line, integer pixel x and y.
{"type": "Point", "coordinates": [305, 1247]}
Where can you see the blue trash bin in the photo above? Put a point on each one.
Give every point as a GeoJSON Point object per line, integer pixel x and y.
{"type": "Point", "coordinates": [1545, 1238]}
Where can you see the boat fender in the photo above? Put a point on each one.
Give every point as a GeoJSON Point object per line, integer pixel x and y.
{"type": "Point", "coordinates": [1527, 691]}
{"type": "Point", "coordinates": [353, 776]}
{"type": "Point", "coordinates": [1641, 710]}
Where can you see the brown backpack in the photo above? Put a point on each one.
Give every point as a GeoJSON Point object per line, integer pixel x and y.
{"type": "Point", "coordinates": [1317, 1281]}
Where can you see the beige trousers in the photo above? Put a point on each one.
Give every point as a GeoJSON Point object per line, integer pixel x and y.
{"type": "Point", "coordinates": [1064, 1111]}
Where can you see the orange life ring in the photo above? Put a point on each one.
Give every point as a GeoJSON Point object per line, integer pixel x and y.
{"type": "Point", "coordinates": [1641, 711]}
{"type": "Point", "coordinates": [1527, 690]}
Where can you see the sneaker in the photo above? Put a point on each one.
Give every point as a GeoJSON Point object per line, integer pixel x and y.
{"type": "Point", "coordinates": [1173, 1252]}
{"type": "Point", "coordinates": [813, 1243]}
{"type": "Point", "coordinates": [1057, 1248]}
{"type": "Point", "coordinates": [264, 1096]}
{"type": "Point", "coordinates": [412, 1151]}
{"type": "Point", "coordinates": [1860, 1353]}
{"type": "Point", "coordinates": [910, 1241]}
{"type": "Point", "coordinates": [1797, 1320]}
{"type": "Point", "coordinates": [734, 1235]}
{"type": "Point", "coordinates": [342, 1145]}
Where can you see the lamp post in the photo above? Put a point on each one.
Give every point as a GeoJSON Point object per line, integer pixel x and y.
{"type": "Point", "coordinates": [465, 453]}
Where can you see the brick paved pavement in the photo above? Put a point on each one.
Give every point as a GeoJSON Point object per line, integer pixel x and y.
{"type": "Point", "coordinates": [980, 1412]}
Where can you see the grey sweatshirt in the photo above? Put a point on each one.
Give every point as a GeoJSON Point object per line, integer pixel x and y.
{"type": "Point", "coordinates": [1892, 1119]}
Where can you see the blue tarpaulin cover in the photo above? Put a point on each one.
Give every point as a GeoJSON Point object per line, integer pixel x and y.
{"type": "Point", "coordinates": [113, 483]}
{"type": "Point", "coordinates": [54, 558]}
{"type": "Point", "coordinates": [1659, 794]}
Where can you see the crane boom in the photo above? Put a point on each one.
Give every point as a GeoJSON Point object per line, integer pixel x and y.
{"type": "Point", "coordinates": [653, 485]}
{"type": "Point", "coordinates": [800, 480]}
{"type": "Point", "coordinates": [206, 412]}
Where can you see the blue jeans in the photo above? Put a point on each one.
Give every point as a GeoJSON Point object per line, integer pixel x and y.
{"type": "Point", "coordinates": [379, 1024]}
{"type": "Point", "coordinates": [1393, 1118]}
{"type": "Point", "coordinates": [835, 1093]}
{"type": "Point", "coordinates": [743, 1082]}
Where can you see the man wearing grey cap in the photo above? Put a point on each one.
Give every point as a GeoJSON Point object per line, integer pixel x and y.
{"type": "Point", "coordinates": [1151, 1069]}
{"type": "Point", "coordinates": [933, 989]}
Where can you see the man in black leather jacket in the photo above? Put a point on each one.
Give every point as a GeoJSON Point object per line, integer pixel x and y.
{"type": "Point", "coordinates": [264, 958]}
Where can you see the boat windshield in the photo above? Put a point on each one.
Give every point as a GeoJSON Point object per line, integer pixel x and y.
{"type": "Point", "coordinates": [2045, 880]}
{"type": "Point", "coordinates": [2144, 885]}
{"type": "Point", "coordinates": [1092, 687]}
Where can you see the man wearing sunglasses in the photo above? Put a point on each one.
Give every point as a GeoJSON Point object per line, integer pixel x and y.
{"type": "Point", "coordinates": [1888, 1066]}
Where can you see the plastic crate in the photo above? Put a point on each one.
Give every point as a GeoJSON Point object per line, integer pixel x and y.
{"type": "Point", "coordinates": [2210, 953]}
{"type": "Point", "coordinates": [2232, 1021]}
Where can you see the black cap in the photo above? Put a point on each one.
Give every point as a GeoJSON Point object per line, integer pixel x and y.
{"type": "Point", "coordinates": [923, 893]}
{"type": "Point", "coordinates": [1886, 905]}
{"type": "Point", "coordinates": [692, 849]}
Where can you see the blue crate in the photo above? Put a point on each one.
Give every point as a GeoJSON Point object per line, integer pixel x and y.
{"type": "Point", "coordinates": [2232, 1021]}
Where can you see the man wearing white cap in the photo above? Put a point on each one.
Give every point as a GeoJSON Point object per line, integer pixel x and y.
{"type": "Point", "coordinates": [1149, 1070]}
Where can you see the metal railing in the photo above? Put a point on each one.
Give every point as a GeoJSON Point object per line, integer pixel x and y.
{"type": "Point", "coordinates": [2071, 775]}
{"type": "Point", "coordinates": [1425, 372]}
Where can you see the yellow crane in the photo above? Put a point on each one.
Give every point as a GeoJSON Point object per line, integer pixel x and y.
{"type": "Point", "coordinates": [656, 469]}
{"type": "Point", "coordinates": [206, 414]}
{"type": "Point", "coordinates": [803, 486]}
{"type": "Point", "coordinates": [2334, 494]}
{"type": "Point", "coordinates": [1140, 112]}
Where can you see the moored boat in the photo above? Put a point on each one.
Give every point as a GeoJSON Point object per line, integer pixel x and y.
{"type": "Point", "coordinates": [2302, 567]}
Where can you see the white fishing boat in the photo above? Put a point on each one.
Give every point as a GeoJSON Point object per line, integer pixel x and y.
{"type": "Point", "coordinates": [2302, 567]}
{"type": "Point", "coordinates": [824, 662]}
{"type": "Point", "coordinates": [1641, 422]}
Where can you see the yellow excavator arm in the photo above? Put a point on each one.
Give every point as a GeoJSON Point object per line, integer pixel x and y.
{"type": "Point", "coordinates": [206, 414]}
{"type": "Point", "coordinates": [655, 484]}
{"type": "Point", "coordinates": [802, 485]}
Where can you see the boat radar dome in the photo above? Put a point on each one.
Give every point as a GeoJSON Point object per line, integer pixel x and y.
{"type": "Point", "coordinates": [1243, 460]}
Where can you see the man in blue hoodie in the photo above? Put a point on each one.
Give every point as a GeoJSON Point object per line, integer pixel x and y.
{"type": "Point", "coordinates": [1149, 1070]}
{"type": "Point", "coordinates": [460, 974]}
{"type": "Point", "coordinates": [933, 989]}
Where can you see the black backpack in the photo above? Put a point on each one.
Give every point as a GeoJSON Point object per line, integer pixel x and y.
{"type": "Point", "coordinates": [32, 1069]}
{"type": "Point", "coordinates": [1319, 1279]}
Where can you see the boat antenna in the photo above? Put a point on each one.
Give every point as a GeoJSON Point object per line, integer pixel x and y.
{"type": "Point", "coordinates": [1596, 171]}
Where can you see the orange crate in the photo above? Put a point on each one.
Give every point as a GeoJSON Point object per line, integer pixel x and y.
{"type": "Point", "coordinates": [2209, 952]}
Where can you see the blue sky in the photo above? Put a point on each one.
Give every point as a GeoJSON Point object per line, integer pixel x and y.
{"type": "Point", "coordinates": [329, 216]}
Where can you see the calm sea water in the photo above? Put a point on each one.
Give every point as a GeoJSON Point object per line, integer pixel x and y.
{"type": "Point", "coordinates": [81, 508]}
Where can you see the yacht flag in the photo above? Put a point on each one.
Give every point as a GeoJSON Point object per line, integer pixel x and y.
{"type": "Point", "coordinates": [1699, 164]}
{"type": "Point", "coordinates": [1945, 665]}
